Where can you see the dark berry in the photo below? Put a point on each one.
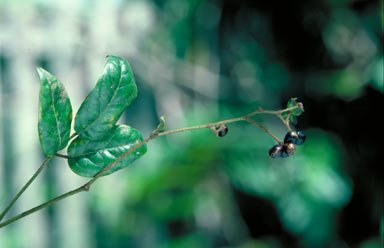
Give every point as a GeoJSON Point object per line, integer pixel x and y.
{"type": "Point", "coordinates": [283, 154]}
{"type": "Point", "coordinates": [296, 138]}
{"type": "Point", "coordinates": [289, 149]}
{"type": "Point", "coordinates": [301, 138]}
{"type": "Point", "coordinates": [275, 151]}
{"type": "Point", "coordinates": [291, 137]}
{"type": "Point", "coordinates": [221, 130]}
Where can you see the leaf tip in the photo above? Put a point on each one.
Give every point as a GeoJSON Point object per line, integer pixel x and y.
{"type": "Point", "coordinates": [40, 70]}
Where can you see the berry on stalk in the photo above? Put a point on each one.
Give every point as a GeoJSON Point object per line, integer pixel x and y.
{"type": "Point", "coordinates": [301, 137]}
{"type": "Point", "coordinates": [289, 148]}
{"type": "Point", "coordinates": [275, 151]}
{"type": "Point", "coordinates": [221, 130]}
{"type": "Point", "coordinates": [296, 138]}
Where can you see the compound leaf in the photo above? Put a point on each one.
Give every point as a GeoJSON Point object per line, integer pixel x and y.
{"type": "Point", "coordinates": [114, 91]}
{"type": "Point", "coordinates": [88, 157]}
{"type": "Point", "coordinates": [55, 113]}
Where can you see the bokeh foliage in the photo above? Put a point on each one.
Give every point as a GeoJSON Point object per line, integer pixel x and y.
{"type": "Point", "coordinates": [201, 61]}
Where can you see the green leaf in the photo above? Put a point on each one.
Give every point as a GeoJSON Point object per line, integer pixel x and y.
{"type": "Point", "coordinates": [55, 113]}
{"type": "Point", "coordinates": [88, 157]}
{"type": "Point", "coordinates": [292, 103]}
{"type": "Point", "coordinates": [161, 125]}
{"type": "Point", "coordinates": [114, 91]}
{"type": "Point", "coordinates": [293, 119]}
{"type": "Point", "coordinates": [285, 114]}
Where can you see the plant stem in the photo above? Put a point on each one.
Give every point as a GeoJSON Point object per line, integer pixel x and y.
{"type": "Point", "coordinates": [61, 156]}
{"type": "Point", "coordinates": [24, 187]}
{"type": "Point", "coordinates": [44, 205]}
{"type": "Point", "coordinates": [243, 118]}
{"type": "Point", "coordinates": [152, 136]}
{"type": "Point", "coordinates": [85, 187]}
{"type": "Point", "coordinates": [99, 174]}
{"type": "Point", "coordinates": [73, 136]}
{"type": "Point", "coordinates": [265, 129]}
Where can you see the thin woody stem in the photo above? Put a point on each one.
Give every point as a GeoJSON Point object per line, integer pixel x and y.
{"type": "Point", "coordinates": [17, 196]}
{"type": "Point", "coordinates": [61, 156]}
{"type": "Point", "coordinates": [286, 121]}
{"type": "Point", "coordinates": [156, 133]}
{"type": "Point", "coordinates": [209, 125]}
{"type": "Point", "coordinates": [265, 129]}
{"type": "Point", "coordinates": [44, 205]}
{"type": "Point", "coordinates": [5, 211]}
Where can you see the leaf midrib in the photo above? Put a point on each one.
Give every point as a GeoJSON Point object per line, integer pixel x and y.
{"type": "Point", "coordinates": [101, 150]}
{"type": "Point", "coordinates": [54, 113]}
{"type": "Point", "coordinates": [114, 94]}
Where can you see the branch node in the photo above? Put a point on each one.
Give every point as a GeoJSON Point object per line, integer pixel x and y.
{"type": "Point", "coordinates": [300, 106]}
{"type": "Point", "coordinates": [154, 134]}
{"type": "Point", "coordinates": [86, 187]}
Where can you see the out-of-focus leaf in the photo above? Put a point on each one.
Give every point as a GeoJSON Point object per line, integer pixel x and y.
{"type": "Point", "coordinates": [293, 119]}
{"type": "Point", "coordinates": [55, 113]}
{"type": "Point", "coordinates": [114, 91]}
{"type": "Point", "coordinates": [88, 157]}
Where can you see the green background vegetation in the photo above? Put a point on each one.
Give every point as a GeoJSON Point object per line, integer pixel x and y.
{"type": "Point", "coordinates": [197, 62]}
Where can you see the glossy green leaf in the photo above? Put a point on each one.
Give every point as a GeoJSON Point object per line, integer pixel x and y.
{"type": "Point", "coordinates": [114, 91]}
{"type": "Point", "coordinates": [88, 157]}
{"type": "Point", "coordinates": [55, 113]}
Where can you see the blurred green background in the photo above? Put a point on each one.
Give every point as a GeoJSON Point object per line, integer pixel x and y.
{"type": "Point", "coordinates": [196, 62]}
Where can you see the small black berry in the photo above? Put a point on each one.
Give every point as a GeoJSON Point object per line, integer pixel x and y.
{"type": "Point", "coordinates": [289, 148]}
{"type": "Point", "coordinates": [283, 154]}
{"type": "Point", "coordinates": [296, 138]}
{"type": "Point", "coordinates": [301, 138]}
{"type": "Point", "coordinates": [221, 130]}
{"type": "Point", "coordinates": [291, 137]}
{"type": "Point", "coordinates": [275, 151]}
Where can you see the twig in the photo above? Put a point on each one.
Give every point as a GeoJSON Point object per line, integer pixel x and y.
{"type": "Point", "coordinates": [61, 156]}
{"type": "Point", "coordinates": [265, 129]}
{"type": "Point", "coordinates": [32, 179]}
{"type": "Point", "coordinates": [24, 187]}
{"type": "Point", "coordinates": [44, 205]}
{"type": "Point", "coordinates": [155, 133]}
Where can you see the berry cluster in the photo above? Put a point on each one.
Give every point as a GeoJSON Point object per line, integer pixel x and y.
{"type": "Point", "coordinates": [288, 148]}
